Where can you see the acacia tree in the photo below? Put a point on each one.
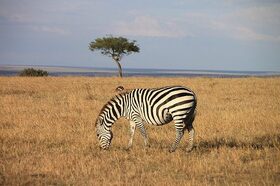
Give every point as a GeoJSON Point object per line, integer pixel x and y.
{"type": "Point", "coordinates": [114, 47]}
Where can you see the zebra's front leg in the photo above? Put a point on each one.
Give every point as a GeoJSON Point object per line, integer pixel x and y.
{"type": "Point", "coordinates": [144, 134]}
{"type": "Point", "coordinates": [179, 135]}
{"type": "Point", "coordinates": [132, 131]}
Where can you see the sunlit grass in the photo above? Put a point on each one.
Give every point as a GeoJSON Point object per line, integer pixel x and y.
{"type": "Point", "coordinates": [47, 134]}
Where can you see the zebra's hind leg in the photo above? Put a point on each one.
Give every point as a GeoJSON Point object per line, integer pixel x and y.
{"type": "Point", "coordinates": [191, 131]}
{"type": "Point", "coordinates": [132, 131]}
{"type": "Point", "coordinates": [191, 136]}
{"type": "Point", "coordinates": [180, 130]}
{"type": "Point", "coordinates": [179, 135]}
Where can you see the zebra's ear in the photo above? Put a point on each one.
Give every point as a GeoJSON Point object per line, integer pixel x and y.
{"type": "Point", "coordinates": [119, 89]}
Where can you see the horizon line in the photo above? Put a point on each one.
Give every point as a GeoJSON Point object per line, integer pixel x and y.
{"type": "Point", "coordinates": [133, 68]}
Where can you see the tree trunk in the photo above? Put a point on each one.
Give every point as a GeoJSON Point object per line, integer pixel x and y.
{"type": "Point", "coordinates": [120, 68]}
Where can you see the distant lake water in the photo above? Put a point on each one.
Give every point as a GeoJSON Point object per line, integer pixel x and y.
{"type": "Point", "coordinates": [110, 72]}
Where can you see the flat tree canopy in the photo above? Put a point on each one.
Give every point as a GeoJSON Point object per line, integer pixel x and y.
{"type": "Point", "coordinates": [114, 47]}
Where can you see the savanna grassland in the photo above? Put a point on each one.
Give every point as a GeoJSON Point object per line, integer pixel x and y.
{"type": "Point", "coordinates": [47, 134]}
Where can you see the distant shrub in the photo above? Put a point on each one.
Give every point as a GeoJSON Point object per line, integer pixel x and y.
{"type": "Point", "coordinates": [33, 72]}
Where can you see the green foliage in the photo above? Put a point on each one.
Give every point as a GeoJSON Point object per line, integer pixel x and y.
{"type": "Point", "coordinates": [114, 47]}
{"type": "Point", "coordinates": [33, 72]}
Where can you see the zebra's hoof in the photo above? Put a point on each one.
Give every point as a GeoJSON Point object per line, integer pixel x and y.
{"type": "Point", "coordinates": [189, 149]}
{"type": "Point", "coordinates": [147, 146]}
{"type": "Point", "coordinates": [127, 148]}
{"type": "Point", "coordinates": [171, 150]}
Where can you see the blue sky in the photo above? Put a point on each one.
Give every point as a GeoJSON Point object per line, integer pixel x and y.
{"type": "Point", "coordinates": [178, 34]}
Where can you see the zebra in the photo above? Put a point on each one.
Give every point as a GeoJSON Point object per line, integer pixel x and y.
{"type": "Point", "coordinates": [157, 106]}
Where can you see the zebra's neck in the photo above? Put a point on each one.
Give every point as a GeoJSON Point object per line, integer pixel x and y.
{"type": "Point", "coordinates": [113, 110]}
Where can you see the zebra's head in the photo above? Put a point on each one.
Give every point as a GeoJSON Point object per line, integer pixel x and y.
{"type": "Point", "coordinates": [104, 135]}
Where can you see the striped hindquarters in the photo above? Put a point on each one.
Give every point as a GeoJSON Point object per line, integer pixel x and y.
{"type": "Point", "coordinates": [160, 106]}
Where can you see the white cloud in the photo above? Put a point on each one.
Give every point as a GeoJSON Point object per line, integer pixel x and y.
{"type": "Point", "coordinates": [252, 23]}
{"type": "Point", "coordinates": [148, 26]}
{"type": "Point", "coordinates": [240, 19]}
{"type": "Point", "coordinates": [245, 33]}
{"type": "Point", "coordinates": [255, 23]}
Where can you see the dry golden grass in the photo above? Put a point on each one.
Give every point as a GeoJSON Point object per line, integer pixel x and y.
{"type": "Point", "coordinates": [47, 134]}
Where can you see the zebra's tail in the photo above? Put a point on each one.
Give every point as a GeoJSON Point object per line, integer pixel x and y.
{"type": "Point", "coordinates": [191, 115]}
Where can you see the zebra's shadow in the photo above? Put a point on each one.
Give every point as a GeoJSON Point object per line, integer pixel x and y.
{"type": "Point", "coordinates": [205, 146]}
{"type": "Point", "coordinates": [260, 142]}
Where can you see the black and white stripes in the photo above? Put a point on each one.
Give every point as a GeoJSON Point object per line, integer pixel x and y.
{"type": "Point", "coordinates": [157, 106]}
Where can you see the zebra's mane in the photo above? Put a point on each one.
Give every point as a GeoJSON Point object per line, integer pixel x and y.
{"type": "Point", "coordinates": [119, 93]}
